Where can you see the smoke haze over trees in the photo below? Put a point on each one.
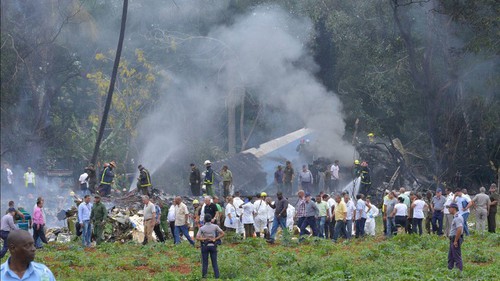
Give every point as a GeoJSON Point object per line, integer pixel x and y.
{"type": "Point", "coordinates": [206, 79]}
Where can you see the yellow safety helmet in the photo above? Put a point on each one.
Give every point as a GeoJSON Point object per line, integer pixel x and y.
{"type": "Point", "coordinates": [195, 201]}
{"type": "Point", "coordinates": [356, 162]}
{"type": "Point", "coordinates": [72, 193]}
{"type": "Point", "coordinates": [371, 135]}
{"type": "Point", "coordinates": [263, 194]}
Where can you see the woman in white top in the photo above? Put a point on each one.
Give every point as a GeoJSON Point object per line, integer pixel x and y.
{"type": "Point", "coordinates": [247, 217]}
{"type": "Point", "coordinates": [418, 214]}
{"type": "Point", "coordinates": [401, 213]}
{"type": "Point", "coordinates": [231, 222]}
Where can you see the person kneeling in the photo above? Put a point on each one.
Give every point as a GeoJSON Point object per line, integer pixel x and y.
{"type": "Point", "coordinates": [208, 235]}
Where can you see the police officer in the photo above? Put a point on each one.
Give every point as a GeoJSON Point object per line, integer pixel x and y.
{"type": "Point", "coordinates": [456, 238]}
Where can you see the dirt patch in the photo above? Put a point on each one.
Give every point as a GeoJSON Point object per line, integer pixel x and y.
{"type": "Point", "coordinates": [181, 268]}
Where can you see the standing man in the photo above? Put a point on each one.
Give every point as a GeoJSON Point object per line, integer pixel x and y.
{"type": "Point", "coordinates": [157, 227]}
{"type": "Point", "coordinates": [30, 179]}
{"type": "Point", "coordinates": [195, 180]}
{"type": "Point", "coordinates": [384, 211]}
{"type": "Point", "coordinates": [306, 179]}
{"type": "Point", "coordinates": [310, 218]}
{"type": "Point", "coordinates": [428, 212]}
{"type": "Point", "coordinates": [107, 177]}
{"type": "Point", "coordinates": [300, 208]}
{"type": "Point", "coordinates": [144, 181]}
{"type": "Point", "coordinates": [456, 238]}
{"type": "Point", "coordinates": [84, 210]}
{"type": "Point", "coordinates": [20, 265]}
{"type": "Point", "coordinates": [98, 217]}
{"type": "Point", "coordinates": [280, 214]}
{"type": "Point", "coordinates": [335, 169]}
{"type": "Point", "coordinates": [330, 222]}
{"type": "Point", "coordinates": [171, 219]}
{"type": "Point", "coordinates": [164, 218]}
{"type": "Point", "coordinates": [278, 178]}
{"type": "Point", "coordinates": [482, 203]}
{"type": "Point", "coordinates": [437, 208]}
{"type": "Point", "coordinates": [92, 179]}
{"type": "Point", "coordinates": [8, 175]}
{"type": "Point", "coordinates": [366, 182]}
{"type": "Point", "coordinates": [181, 221]}
{"type": "Point", "coordinates": [149, 219]}
{"type": "Point", "coordinates": [209, 178]}
{"type": "Point", "coordinates": [494, 198]}
{"type": "Point", "coordinates": [351, 212]}
{"type": "Point", "coordinates": [247, 217]}
{"type": "Point", "coordinates": [6, 226]}
{"type": "Point", "coordinates": [463, 208]}
{"type": "Point", "coordinates": [39, 223]}
{"type": "Point", "coordinates": [227, 179]}
{"type": "Point", "coordinates": [389, 216]}
{"type": "Point", "coordinates": [323, 216]}
{"type": "Point", "coordinates": [360, 216]}
{"type": "Point", "coordinates": [340, 218]}
{"type": "Point", "coordinates": [260, 214]}
{"type": "Point", "coordinates": [289, 176]}
{"type": "Point", "coordinates": [84, 183]}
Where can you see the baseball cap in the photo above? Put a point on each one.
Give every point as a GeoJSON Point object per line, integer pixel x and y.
{"type": "Point", "coordinates": [453, 205]}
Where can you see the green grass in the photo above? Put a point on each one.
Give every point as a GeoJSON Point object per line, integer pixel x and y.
{"type": "Point", "coordinates": [403, 257]}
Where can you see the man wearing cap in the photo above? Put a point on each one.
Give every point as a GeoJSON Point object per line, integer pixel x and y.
{"type": "Point", "coordinates": [6, 226]}
{"type": "Point", "coordinates": [456, 238]}
{"type": "Point", "coordinates": [106, 178]}
{"type": "Point", "coordinates": [209, 178]}
{"type": "Point", "coordinates": [437, 209]}
{"type": "Point", "coordinates": [494, 198]}
{"type": "Point", "coordinates": [144, 181]}
{"type": "Point", "coordinates": [98, 217]}
{"type": "Point", "coordinates": [195, 180]}
{"type": "Point", "coordinates": [482, 203]}
{"type": "Point", "coordinates": [260, 221]}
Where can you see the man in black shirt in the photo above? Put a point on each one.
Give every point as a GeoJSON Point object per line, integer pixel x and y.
{"type": "Point", "coordinates": [195, 180]}
{"type": "Point", "coordinates": [280, 208]}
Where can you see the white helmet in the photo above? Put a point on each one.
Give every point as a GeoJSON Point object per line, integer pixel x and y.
{"type": "Point", "coordinates": [207, 162]}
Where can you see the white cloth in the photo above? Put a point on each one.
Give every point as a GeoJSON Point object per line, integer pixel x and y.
{"type": "Point", "coordinates": [418, 210]}
{"type": "Point", "coordinates": [449, 200]}
{"type": "Point", "coordinates": [401, 209]}
{"type": "Point", "coordinates": [350, 210]}
{"type": "Point", "coordinates": [171, 213]}
{"type": "Point", "coordinates": [233, 221]}
{"type": "Point", "coordinates": [290, 213]}
{"type": "Point", "coordinates": [335, 172]}
{"type": "Point", "coordinates": [331, 202]}
{"type": "Point", "coordinates": [10, 175]}
{"type": "Point", "coordinates": [261, 215]}
{"type": "Point", "coordinates": [248, 211]}
{"type": "Point", "coordinates": [237, 202]}
{"type": "Point", "coordinates": [83, 179]}
{"type": "Point", "coordinates": [372, 214]}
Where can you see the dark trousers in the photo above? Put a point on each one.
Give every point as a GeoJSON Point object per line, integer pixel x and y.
{"type": "Point", "coordinates": [455, 254]}
{"type": "Point", "coordinates": [428, 223]}
{"type": "Point", "coordinates": [409, 225]}
{"type": "Point", "coordinates": [340, 229]}
{"type": "Point", "coordinates": [3, 235]}
{"type": "Point", "coordinates": [158, 233]}
{"type": "Point", "coordinates": [437, 222]}
{"type": "Point", "coordinates": [105, 189]}
{"type": "Point", "coordinates": [249, 230]}
{"type": "Point", "coordinates": [212, 251]}
{"type": "Point", "coordinates": [311, 222]}
{"type": "Point", "coordinates": [39, 233]}
{"type": "Point", "coordinates": [306, 186]}
{"type": "Point", "coordinates": [329, 228]}
{"type": "Point", "coordinates": [172, 228]}
{"type": "Point", "coordinates": [417, 223]}
{"type": "Point", "coordinates": [195, 189]}
{"type": "Point", "coordinates": [287, 188]}
{"type": "Point", "coordinates": [360, 227]}
{"type": "Point", "coordinates": [300, 221]}
{"type": "Point", "coordinates": [492, 224]}
{"type": "Point", "coordinates": [401, 221]}
{"type": "Point", "coordinates": [384, 220]}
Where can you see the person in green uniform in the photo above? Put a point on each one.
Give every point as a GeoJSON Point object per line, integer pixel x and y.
{"type": "Point", "coordinates": [98, 217]}
{"type": "Point", "coordinates": [164, 218]}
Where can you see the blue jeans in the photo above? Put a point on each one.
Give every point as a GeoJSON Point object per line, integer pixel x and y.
{"type": "Point", "coordinates": [311, 222]}
{"type": "Point", "coordinates": [466, 228]}
{"type": "Point", "coordinates": [185, 231]}
{"type": "Point", "coordinates": [86, 233]}
{"type": "Point", "coordinates": [212, 251]}
{"type": "Point", "coordinates": [281, 221]}
{"type": "Point", "coordinates": [348, 226]}
{"type": "Point", "coordinates": [437, 216]}
{"type": "Point", "coordinates": [320, 226]}
{"type": "Point", "coordinates": [300, 221]}
{"type": "Point", "coordinates": [340, 228]}
{"type": "Point", "coordinates": [391, 227]}
{"type": "Point", "coordinates": [360, 227]}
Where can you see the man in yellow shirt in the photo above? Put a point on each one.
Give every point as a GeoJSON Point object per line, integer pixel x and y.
{"type": "Point", "coordinates": [340, 218]}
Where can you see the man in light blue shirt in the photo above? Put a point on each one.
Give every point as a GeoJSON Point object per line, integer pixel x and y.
{"type": "Point", "coordinates": [84, 210]}
{"type": "Point", "coordinates": [20, 265]}
{"type": "Point", "coordinates": [463, 208]}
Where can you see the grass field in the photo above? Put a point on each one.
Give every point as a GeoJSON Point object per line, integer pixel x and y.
{"type": "Point", "coordinates": [404, 257]}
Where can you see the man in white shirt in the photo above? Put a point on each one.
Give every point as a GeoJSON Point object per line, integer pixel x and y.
{"type": "Point", "coordinates": [84, 183]}
{"type": "Point", "coordinates": [335, 176]}
{"type": "Point", "coordinates": [171, 218]}
{"type": "Point", "coordinates": [84, 210]}
{"type": "Point", "coordinates": [29, 178]}
{"type": "Point", "coordinates": [181, 221]}
{"type": "Point", "coordinates": [330, 224]}
{"type": "Point", "coordinates": [260, 214]}
{"type": "Point", "coordinates": [237, 202]}
{"type": "Point", "coordinates": [9, 174]}
{"type": "Point", "coordinates": [351, 209]}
